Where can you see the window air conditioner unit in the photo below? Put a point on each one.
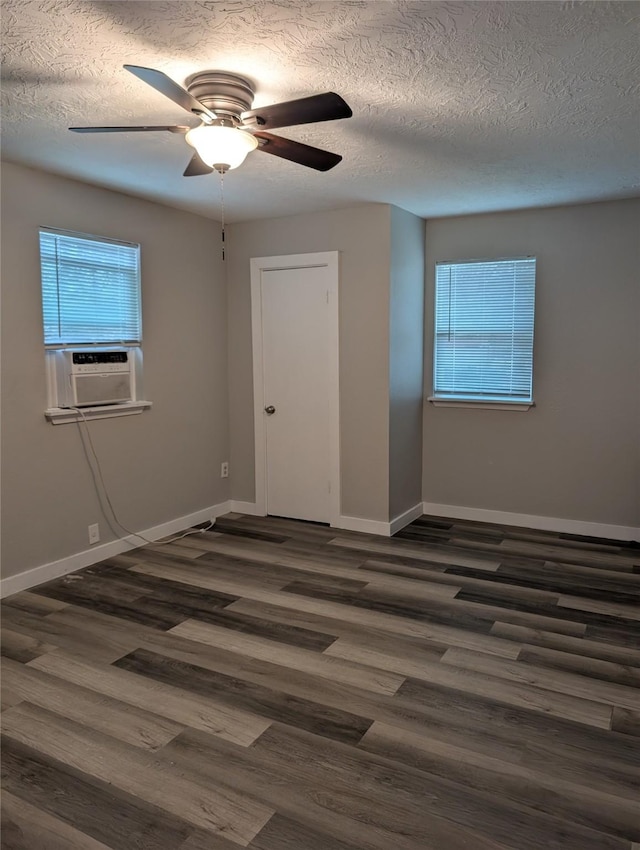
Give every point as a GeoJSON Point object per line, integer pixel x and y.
{"type": "Point", "coordinates": [89, 378]}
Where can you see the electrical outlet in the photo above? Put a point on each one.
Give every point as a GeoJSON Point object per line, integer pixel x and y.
{"type": "Point", "coordinates": [94, 533]}
{"type": "Point", "coordinates": [224, 469]}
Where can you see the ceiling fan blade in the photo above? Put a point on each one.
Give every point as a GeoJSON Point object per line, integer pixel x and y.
{"type": "Point", "coordinates": [196, 167]}
{"type": "Point", "coordinates": [297, 152]}
{"type": "Point", "coordinates": [166, 86]}
{"type": "Point", "coordinates": [147, 129]}
{"type": "Point", "coordinates": [319, 107]}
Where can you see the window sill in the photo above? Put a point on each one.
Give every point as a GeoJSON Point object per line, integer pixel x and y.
{"type": "Point", "coordinates": [482, 404]}
{"type": "Point", "coordinates": [60, 415]}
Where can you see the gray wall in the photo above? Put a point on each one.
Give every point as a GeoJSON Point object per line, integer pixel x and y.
{"type": "Point", "coordinates": [575, 455]}
{"type": "Point", "coordinates": [159, 465]}
{"type": "Point", "coordinates": [406, 355]}
{"type": "Point", "coordinates": [362, 236]}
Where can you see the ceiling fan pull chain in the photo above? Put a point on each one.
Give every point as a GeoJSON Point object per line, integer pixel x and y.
{"type": "Point", "coordinates": [221, 173]}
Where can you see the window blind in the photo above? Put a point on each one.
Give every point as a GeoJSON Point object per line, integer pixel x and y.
{"type": "Point", "coordinates": [484, 315]}
{"type": "Point", "coordinates": [90, 290]}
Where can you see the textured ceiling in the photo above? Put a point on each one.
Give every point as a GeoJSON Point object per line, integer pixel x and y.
{"type": "Point", "coordinates": [459, 107]}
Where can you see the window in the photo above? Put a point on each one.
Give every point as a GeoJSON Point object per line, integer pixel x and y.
{"type": "Point", "coordinates": [92, 326]}
{"type": "Point", "coordinates": [483, 347]}
{"type": "Point", "coordinates": [90, 290]}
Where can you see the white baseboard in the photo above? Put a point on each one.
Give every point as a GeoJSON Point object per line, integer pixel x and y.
{"type": "Point", "coordinates": [55, 569]}
{"type": "Point", "coordinates": [367, 526]}
{"type": "Point", "coordinates": [405, 518]}
{"type": "Point", "coordinates": [349, 523]}
{"type": "Point", "coordinates": [372, 526]}
{"type": "Point", "coordinates": [541, 523]}
{"type": "Point", "coordinates": [249, 508]}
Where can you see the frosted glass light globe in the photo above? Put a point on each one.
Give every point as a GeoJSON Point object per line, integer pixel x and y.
{"type": "Point", "coordinates": [221, 148]}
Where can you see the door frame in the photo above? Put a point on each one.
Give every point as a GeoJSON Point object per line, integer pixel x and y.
{"type": "Point", "coordinates": [330, 260]}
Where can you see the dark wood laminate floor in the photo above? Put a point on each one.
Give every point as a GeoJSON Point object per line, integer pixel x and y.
{"type": "Point", "coordinates": [280, 685]}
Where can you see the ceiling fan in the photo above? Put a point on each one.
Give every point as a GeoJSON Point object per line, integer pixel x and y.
{"type": "Point", "coordinates": [229, 128]}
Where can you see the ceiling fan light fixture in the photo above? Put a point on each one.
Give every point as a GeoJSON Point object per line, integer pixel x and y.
{"type": "Point", "coordinates": [221, 148]}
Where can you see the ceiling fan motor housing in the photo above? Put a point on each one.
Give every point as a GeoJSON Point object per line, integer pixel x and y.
{"type": "Point", "coordinates": [229, 128]}
{"type": "Point", "coordinates": [228, 95]}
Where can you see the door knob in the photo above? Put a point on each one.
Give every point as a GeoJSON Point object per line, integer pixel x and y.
{"type": "Point", "coordinates": [270, 410]}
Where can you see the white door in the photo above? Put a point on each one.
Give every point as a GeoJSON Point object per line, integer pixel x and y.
{"type": "Point", "coordinates": [296, 404]}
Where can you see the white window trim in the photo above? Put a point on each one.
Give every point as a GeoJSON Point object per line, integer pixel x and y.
{"type": "Point", "coordinates": [481, 404]}
{"type": "Point", "coordinates": [62, 415]}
